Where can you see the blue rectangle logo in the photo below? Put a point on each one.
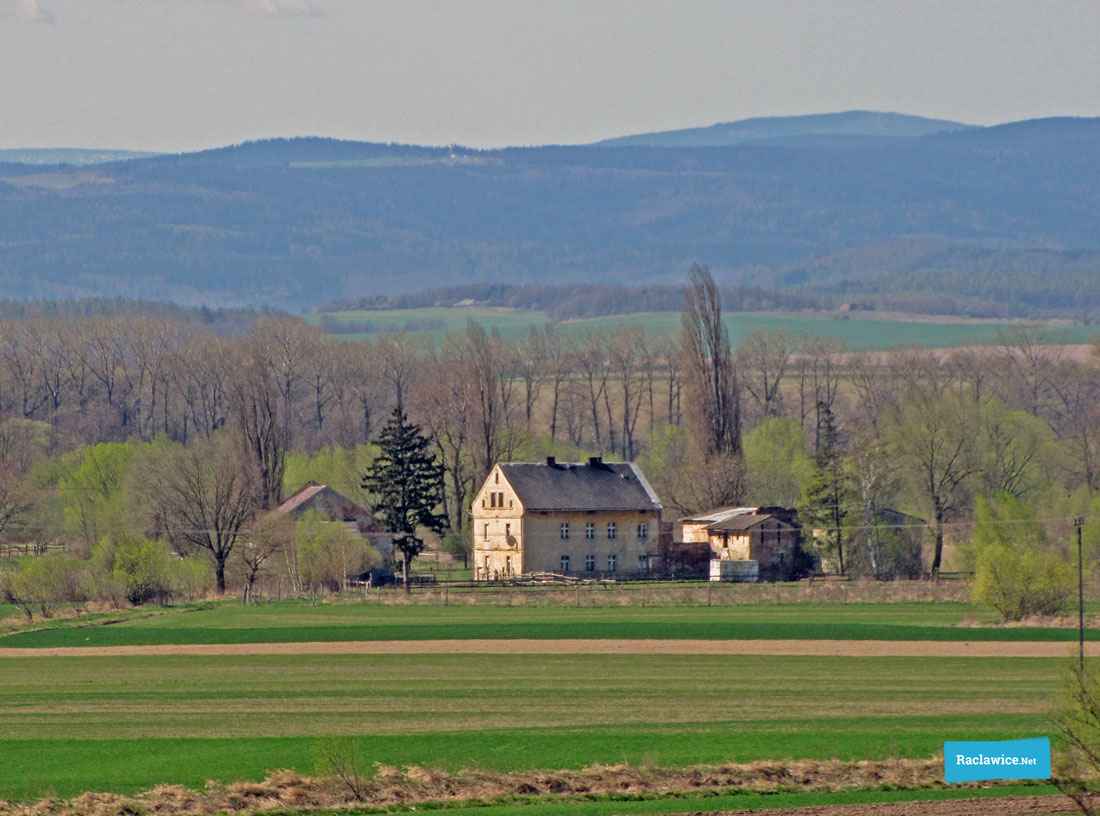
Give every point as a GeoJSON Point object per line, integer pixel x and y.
{"type": "Point", "coordinates": [1006, 759]}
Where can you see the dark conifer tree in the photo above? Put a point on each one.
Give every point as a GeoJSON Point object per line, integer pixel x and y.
{"type": "Point", "coordinates": [408, 482]}
{"type": "Point", "coordinates": [825, 496]}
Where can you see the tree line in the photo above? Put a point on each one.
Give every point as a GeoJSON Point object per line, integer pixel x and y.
{"type": "Point", "coordinates": [578, 300]}
{"type": "Point", "coordinates": [220, 428]}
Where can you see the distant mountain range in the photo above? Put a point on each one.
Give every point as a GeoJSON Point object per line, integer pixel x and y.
{"type": "Point", "coordinates": [828, 129]}
{"type": "Point", "coordinates": [888, 210]}
{"type": "Point", "coordinates": [73, 156]}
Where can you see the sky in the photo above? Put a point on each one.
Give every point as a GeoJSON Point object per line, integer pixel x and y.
{"type": "Point", "coordinates": [180, 75]}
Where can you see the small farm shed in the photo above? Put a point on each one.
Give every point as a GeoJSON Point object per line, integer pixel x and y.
{"type": "Point", "coordinates": [748, 543]}
{"type": "Point", "coordinates": [339, 508]}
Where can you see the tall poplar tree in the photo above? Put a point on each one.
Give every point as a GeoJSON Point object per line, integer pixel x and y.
{"type": "Point", "coordinates": [409, 484]}
{"type": "Point", "coordinates": [712, 395]}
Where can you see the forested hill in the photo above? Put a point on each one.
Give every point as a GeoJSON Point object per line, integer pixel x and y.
{"type": "Point", "coordinates": [852, 125]}
{"type": "Point", "coordinates": [979, 218]}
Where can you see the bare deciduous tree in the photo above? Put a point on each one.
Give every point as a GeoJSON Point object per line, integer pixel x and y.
{"type": "Point", "coordinates": [764, 357]}
{"type": "Point", "coordinates": [714, 405]}
{"type": "Point", "coordinates": [262, 430]}
{"type": "Point", "coordinates": [934, 438]}
{"type": "Point", "coordinates": [269, 536]}
{"type": "Point", "coordinates": [200, 495]}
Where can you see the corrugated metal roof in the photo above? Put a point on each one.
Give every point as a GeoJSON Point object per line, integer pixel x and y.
{"type": "Point", "coordinates": [580, 486]}
{"type": "Point", "coordinates": [720, 514]}
{"type": "Point", "coordinates": [744, 521]}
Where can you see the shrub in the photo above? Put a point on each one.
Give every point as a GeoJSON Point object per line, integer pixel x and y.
{"type": "Point", "coordinates": [1077, 720]}
{"type": "Point", "coordinates": [457, 546]}
{"type": "Point", "coordinates": [190, 577]}
{"type": "Point", "coordinates": [340, 759]}
{"type": "Point", "coordinates": [42, 583]}
{"type": "Point", "coordinates": [1022, 581]}
{"type": "Point", "coordinates": [328, 552]}
{"type": "Point", "coordinates": [141, 565]}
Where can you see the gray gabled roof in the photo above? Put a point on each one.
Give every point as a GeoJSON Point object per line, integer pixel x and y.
{"type": "Point", "coordinates": [579, 486]}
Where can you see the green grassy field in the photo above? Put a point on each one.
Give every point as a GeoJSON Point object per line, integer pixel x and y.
{"type": "Point", "coordinates": [125, 723]}
{"type": "Point", "coordinates": [290, 622]}
{"type": "Point", "coordinates": [857, 332]}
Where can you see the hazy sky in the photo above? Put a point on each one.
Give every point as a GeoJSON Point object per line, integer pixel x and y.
{"type": "Point", "coordinates": [186, 74]}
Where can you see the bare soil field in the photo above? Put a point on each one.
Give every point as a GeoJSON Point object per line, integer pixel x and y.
{"type": "Point", "coordinates": [808, 648]}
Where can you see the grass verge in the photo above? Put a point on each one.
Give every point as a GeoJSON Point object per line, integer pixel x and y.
{"type": "Point", "coordinates": [594, 788]}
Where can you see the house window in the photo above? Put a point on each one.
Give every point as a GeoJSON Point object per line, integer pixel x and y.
{"type": "Point", "coordinates": [643, 562]}
{"type": "Point", "coordinates": [565, 530]}
{"type": "Point", "coordinates": [486, 532]}
{"type": "Point", "coordinates": [500, 499]}
{"type": "Point", "coordinates": [643, 530]}
{"type": "Point", "coordinates": [507, 532]}
{"type": "Point", "coordinates": [610, 529]}
{"type": "Point", "coordinates": [612, 562]}
{"type": "Point", "coordinates": [496, 477]}
{"type": "Point", "coordinates": [590, 530]}
{"type": "Point", "coordinates": [590, 563]}
{"type": "Point", "coordinates": [565, 563]}
{"type": "Point", "coordinates": [508, 565]}
{"type": "Point", "coordinates": [492, 499]}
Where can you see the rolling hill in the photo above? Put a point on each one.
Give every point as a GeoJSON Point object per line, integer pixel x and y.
{"type": "Point", "coordinates": [822, 128]}
{"type": "Point", "coordinates": [292, 223]}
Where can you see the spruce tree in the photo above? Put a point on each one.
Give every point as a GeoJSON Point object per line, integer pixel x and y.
{"type": "Point", "coordinates": [826, 494]}
{"type": "Point", "coordinates": [409, 484]}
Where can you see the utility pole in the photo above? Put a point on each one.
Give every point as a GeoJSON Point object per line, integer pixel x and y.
{"type": "Point", "coordinates": [1079, 523]}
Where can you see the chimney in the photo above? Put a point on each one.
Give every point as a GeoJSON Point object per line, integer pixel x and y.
{"type": "Point", "coordinates": [551, 461]}
{"type": "Point", "coordinates": [595, 461]}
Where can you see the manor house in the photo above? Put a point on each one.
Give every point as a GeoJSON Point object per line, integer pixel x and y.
{"type": "Point", "coordinates": [599, 519]}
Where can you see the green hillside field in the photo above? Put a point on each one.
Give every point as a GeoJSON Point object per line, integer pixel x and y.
{"type": "Point", "coordinates": [856, 332]}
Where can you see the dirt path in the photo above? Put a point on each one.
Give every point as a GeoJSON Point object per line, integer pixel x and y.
{"type": "Point", "coordinates": [1008, 806]}
{"type": "Point", "coordinates": [809, 648]}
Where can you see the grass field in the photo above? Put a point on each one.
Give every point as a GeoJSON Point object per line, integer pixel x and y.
{"type": "Point", "coordinates": [290, 622]}
{"type": "Point", "coordinates": [857, 332]}
{"type": "Point", "coordinates": [124, 724]}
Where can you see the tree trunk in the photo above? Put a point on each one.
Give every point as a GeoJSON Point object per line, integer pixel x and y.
{"type": "Point", "coordinates": [937, 554]}
{"type": "Point", "coordinates": [405, 574]}
{"type": "Point", "coordinates": [219, 573]}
